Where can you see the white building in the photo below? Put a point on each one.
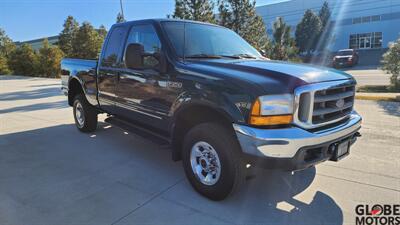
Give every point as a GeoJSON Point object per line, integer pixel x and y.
{"type": "Point", "coordinates": [359, 24]}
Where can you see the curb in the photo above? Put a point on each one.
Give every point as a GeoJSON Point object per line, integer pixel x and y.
{"type": "Point", "coordinates": [378, 98]}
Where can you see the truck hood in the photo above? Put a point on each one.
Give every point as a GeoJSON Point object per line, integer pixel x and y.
{"type": "Point", "coordinates": [277, 70]}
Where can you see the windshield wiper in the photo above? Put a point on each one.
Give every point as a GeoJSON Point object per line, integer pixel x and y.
{"type": "Point", "coordinates": [205, 56]}
{"type": "Point", "coordinates": [231, 56]}
{"type": "Point", "coordinates": [244, 55]}
{"type": "Point", "coordinates": [210, 56]}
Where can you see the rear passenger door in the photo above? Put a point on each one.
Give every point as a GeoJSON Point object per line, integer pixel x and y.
{"type": "Point", "coordinates": [109, 63]}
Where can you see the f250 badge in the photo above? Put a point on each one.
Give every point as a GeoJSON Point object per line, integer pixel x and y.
{"type": "Point", "coordinates": [174, 84]}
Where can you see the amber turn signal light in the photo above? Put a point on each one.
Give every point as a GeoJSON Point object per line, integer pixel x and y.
{"type": "Point", "coordinates": [258, 120]}
{"type": "Point", "coordinates": [270, 120]}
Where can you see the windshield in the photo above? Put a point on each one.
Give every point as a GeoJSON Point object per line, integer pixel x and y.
{"type": "Point", "coordinates": [345, 53]}
{"type": "Point", "coordinates": [207, 41]}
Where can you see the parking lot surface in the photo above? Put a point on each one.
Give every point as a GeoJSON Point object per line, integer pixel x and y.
{"type": "Point", "coordinates": [369, 76]}
{"type": "Point", "coordinates": [50, 173]}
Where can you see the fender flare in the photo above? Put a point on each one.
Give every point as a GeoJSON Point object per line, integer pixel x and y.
{"type": "Point", "coordinates": [186, 101]}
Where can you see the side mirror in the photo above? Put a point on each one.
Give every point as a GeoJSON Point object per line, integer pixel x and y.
{"type": "Point", "coordinates": [134, 56]}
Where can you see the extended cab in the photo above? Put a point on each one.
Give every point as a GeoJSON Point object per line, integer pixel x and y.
{"type": "Point", "coordinates": [220, 105]}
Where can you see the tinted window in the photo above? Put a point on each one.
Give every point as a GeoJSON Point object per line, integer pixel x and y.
{"type": "Point", "coordinates": [114, 47]}
{"type": "Point", "coordinates": [175, 33]}
{"type": "Point", "coordinates": [191, 39]}
{"type": "Point", "coordinates": [345, 53]}
{"type": "Point", "coordinates": [146, 35]}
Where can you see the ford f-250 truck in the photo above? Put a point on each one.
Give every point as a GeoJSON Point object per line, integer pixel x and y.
{"type": "Point", "coordinates": [218, 102]}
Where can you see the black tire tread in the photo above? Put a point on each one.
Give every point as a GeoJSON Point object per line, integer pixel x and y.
{"type": "Point", "coordinates": [224, 142]}
{"type": "Point", "coordinates": [90, 114]}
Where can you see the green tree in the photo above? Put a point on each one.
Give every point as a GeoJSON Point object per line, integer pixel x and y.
{"type": "Point", "coordinates": [241, 17]}
{"type": "Point", "coordinates": [120, 18]}
{"type": "Point", "coordinates": [49, 60]}
{"type": "Point", "coordinates": [324, 16]}
{"type": "Point", "coordinates": [102, 31]}
{"type": "Point", "coordinates": [391, 64]}
{"type": "Point", "coordinates": [4, 65]}
{"type": "Point", "coordinates": [283, 46]}
{"type": "Point", "coordinates": [6, 47]}
{"type": "Point", "coordinates": [308, 32]}
{"type": "Point", "coordinates": [87, 42]}
{"type": "Point", "coordinates": [198, 10]}
{"type": "Point", "coordinates": [67, 35]}
{"type": "Point", "coordinates": [6, 44]}
{"type": "Point", "coordinates": [23, 60]}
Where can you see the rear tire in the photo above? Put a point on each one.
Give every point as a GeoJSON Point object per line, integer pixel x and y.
{"type": "Point", "coordinates": [210, 146]}
{"type": "Point", "coordinates": [84, 114]}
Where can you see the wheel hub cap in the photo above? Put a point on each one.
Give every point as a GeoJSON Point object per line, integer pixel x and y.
{"type": "Point", "coordinates": [80, 118]}
{"type": "Point", "coordinates": [205, 163]}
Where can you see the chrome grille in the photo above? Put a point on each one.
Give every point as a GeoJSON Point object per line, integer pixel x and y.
{"type": "Point", "coordinates": [324, 103]}
{"type": "Point", "coordinates": [332, 104]}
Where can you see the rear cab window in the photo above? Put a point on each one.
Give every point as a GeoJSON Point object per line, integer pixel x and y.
{"type": "Point", "coordinates": [113, 49]}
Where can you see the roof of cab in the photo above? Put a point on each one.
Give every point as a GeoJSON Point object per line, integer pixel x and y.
{"type": "Point", "coordinates": [159, 20]}
{"type": "Point", "coordinates": [343, 50]}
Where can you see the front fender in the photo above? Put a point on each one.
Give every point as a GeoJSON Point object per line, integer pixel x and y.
{"type": "Point", "coordinates": [187, 101]}
{"type": "Point", "coordinates": [223, 104]}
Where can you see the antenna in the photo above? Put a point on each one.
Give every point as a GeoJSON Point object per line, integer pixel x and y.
{"type": "Point", "coordinates": [122, 9]}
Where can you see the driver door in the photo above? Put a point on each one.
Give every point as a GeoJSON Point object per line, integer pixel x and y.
{"type": "Point", "coordinates": [142, 93]}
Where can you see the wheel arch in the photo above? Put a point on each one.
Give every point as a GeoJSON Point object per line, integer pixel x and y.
{"type": "Point", "coordinates": [192, 114]}
{"type": "Point", "coordinates": [74, 88]}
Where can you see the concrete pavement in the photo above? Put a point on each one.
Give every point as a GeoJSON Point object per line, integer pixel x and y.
{"type": "Point", "coordinates": [50, 173]}
{"type": "Point", "coordinates": [368, 76]}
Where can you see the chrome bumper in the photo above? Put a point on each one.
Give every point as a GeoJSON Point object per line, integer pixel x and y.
{"type": "Point", "coordinates": [286, 142]}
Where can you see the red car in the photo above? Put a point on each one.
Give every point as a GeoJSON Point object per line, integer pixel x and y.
{"type": "Point", "coordinates": [345, 57]}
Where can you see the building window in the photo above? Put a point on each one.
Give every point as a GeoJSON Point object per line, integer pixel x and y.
{"type": "Point", "coordinates": [377, 40]}
{"type": "Point", "coordinates": [375, 18]}
{"type": "Point", "coordinates": [365, 40]}
{"type": "Point", "coordinates": [353, 41]}
{"type": "Point", "coordinates": [356, 20]}
{"type": "Point", "coordinates": [366, 19]}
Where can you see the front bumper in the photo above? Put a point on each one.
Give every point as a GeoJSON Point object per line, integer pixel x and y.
{"type": "Point", "coordinates": [343, 63]}
{"type": "Point", "coordinates": [295, 148]}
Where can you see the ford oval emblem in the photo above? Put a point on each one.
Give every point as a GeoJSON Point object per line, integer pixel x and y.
{"type": "Point", "coordinates": [340, 103]}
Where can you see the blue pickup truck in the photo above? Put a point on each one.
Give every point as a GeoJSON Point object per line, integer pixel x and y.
{"type": "Point", "coordinates": [215, 100]}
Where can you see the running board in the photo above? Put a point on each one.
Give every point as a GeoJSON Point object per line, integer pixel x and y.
{"type": "Point", "coordinates": [139, 130]}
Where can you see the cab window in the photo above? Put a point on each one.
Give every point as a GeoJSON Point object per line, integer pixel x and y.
{"type": "Point", "coordinates": [114, 47]}
{"type": "Point", "coordinates": [146, 36]}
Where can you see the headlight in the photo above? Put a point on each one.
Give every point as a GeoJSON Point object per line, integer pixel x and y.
{"type": "Point", "coordinates": [272, 110]}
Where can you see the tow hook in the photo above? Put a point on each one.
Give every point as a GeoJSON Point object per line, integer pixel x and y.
{"type": "Point", "coordinates": [354, 137]}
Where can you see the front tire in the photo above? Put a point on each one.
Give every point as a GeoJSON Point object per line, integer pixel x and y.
{"type": "Point", "coordinates": [212, 161]}
{"type": "Point", "coordinates": [84, 114]}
